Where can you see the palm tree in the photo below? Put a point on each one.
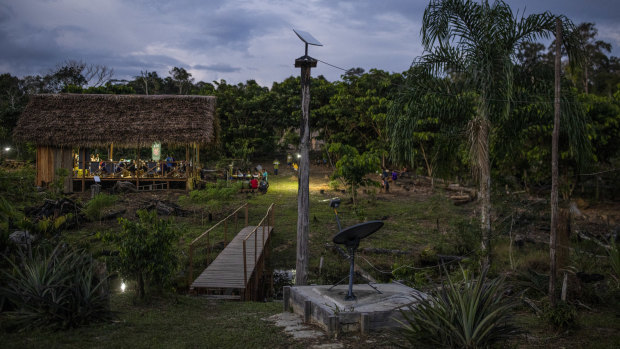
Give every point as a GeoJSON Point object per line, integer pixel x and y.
{"type": "Point", "coordinates": [473, 46]}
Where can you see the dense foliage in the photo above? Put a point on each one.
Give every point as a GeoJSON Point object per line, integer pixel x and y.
{"type": "Point", "coordinates": [55, 287]}
{"type": "Point", "coordinates": [147, 250]}
{"type": "Point", "coordinates": [473, 313]}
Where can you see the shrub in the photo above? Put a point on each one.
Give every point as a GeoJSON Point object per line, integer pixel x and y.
{"type": "Point", "coordinates": [95, 206]}
{"type": "Point", "coordinates": [146, 250]}
{"type": "Point", "coordinates": [55, 288]}
{"type": "Point", "coordinates": [562, 316]}
{"type": "Point", "coordinates": [212, 195]}
{"type": "Point", "coordinates": [613, 254]}
{"type": "Point", "coordinates": [469, 314]}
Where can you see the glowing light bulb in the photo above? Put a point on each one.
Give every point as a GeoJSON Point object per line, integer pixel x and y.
{"type": "Point", "coordinates": [123, 287]}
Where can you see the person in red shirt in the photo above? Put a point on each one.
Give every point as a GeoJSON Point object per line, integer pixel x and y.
{"type": "Point", "coordinates": [254, 183]}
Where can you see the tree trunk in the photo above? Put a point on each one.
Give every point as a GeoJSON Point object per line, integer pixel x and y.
{"type": "Point", "coordinates": [140, 286]}
{"type": "Point", "coordinates": [554, 166]}
{"type": "Point", "coordinates": [485, 196]}
{"type": "Point", "coordinates": [303, 195]}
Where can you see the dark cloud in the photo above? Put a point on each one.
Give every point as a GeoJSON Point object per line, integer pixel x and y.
{"type": "Point", "coordinates": [222, 68]}
{"type": "Point", "coordinates": [235, 40]}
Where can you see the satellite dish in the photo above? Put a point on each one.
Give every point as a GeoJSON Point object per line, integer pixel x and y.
{"type": "Point", "coordinates": [350, 237]}
{"type": "Point", "coordinates": [353, 234]}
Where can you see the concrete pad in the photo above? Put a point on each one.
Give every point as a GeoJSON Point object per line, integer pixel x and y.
{"type": "Point", "coordinates": [371, 310]}
{"type": "Point", "coordinates": [294, 326]}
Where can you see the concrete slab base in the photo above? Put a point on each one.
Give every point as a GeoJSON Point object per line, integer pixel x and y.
{"type": "Point", "coordinates": [371, 310]}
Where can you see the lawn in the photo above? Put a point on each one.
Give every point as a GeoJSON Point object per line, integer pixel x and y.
{"type": "Point", "coordinates": [419, 225]}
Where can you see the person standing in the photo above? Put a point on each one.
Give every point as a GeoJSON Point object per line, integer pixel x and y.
{"type": "Point", "coordinates": [289, 159]}
{"type": "Point", "coordinates": [276, 165]}
{"type": "Point", "coordinates": [265, 174]}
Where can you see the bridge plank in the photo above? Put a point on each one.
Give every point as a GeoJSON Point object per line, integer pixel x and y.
{"type": "Point", "coordinates": [226, 271]}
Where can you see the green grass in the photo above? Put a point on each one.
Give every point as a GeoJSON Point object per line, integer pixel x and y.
{"type": "Point", "coordinates": [178, 322]}
{"type": "Point", "coordinates": [412, 223]}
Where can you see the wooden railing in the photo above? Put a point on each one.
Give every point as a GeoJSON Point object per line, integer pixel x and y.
{"type": "Point", "coordinates": [265, 223]}
{"type": "Point", "coordinates": [206, 234]}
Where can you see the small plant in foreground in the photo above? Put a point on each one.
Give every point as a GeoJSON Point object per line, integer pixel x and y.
{"type": "Point", "coordinates": [55, 288]}
{"type": "Point", "coordinates": [469, 314]}
{"type": "Point", "coordinates": [95, 206]}
{"type": "Point", "coordinates": [562, 316]}
{"type": "Point", "coordinates": [613, 253]}
{"type": "Point", "coordinates": [147, 251]}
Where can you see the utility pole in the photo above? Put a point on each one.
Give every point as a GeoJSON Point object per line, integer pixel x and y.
{"type": "Point", "coordinates": [304, 62]}
{"type": "Point", "coordinates": [554, 164]}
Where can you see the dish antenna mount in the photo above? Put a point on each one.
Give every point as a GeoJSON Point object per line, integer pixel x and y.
{"type": "Point", "coordinates": [350, 237]}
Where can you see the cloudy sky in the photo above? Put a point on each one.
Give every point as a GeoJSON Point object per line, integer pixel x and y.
{"type": "Point", "coordinates": [236, 40]}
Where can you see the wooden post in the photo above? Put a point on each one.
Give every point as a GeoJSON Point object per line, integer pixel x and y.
{"type": "Point", "coordinates": [83, 159]}
{"type": "Point", "coordinates": [245, 266]}
{"type": "Point", "coordinates": [303, 192]}
{"type": "Point", "coordinates": [286, 298]}
{"type": "Point", "coordinates": [111, 152]}
{"type": "Point", "coordinates": [137, 166]}
{"type": "Point", "coordinates": [191, 265]}
{"type": "Point", "coordinates": [208, 248]}
{"type": "Point", "coordinates": [554, 164]}
{"type": "Point", "coordinates": [307, 311]}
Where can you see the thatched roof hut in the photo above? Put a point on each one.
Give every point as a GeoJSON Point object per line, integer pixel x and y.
{"type": "Point", "coordinates": [126, 120]}
{"type": "Point", "coordinates": [57, 123]}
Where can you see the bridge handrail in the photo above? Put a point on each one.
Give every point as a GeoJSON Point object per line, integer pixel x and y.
{"type": "Point", "coordinates": [270, 221]}
{"type": "Point", "coordinates": [207, 232]}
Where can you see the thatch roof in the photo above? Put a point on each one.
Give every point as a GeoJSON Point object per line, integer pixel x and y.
{"type": "Point", "coordinates": [125, 120]}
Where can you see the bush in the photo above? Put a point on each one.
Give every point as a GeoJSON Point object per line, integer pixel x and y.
{"type": "Point", "coordinates": [470, 314]}
{"type": "Point", "coordinates": [95, 206]}
{"type": "Point", "coordinates": [212, 195]}
{"type": "Point", "coordinates": [614, 258]}
{"type": "Point", "coordinates": [146, 250]}
{"type": "Point", "coordinates": [562, 316]}
{"type": "Point", "coordinates": [55, 288]}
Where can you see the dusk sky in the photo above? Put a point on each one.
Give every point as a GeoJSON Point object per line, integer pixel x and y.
{"type": "Point", "coordinates": [236, 40]}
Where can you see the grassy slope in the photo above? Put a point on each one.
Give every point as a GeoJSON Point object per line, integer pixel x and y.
{"type": "Point", "coordinates": [411, 224]}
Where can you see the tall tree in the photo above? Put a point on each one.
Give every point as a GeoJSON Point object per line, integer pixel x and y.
{"type": "Point", "coordinates": [476, 44]}
{"type": "Point", "coordinates": [182, 79]}
{"type": "Point", "coordinates": [594, 53]}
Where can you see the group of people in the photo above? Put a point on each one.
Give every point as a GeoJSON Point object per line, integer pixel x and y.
{"type": "Point", "coordinates": [125, 167]}
{"type": "Point", "coordinates": [386, 177]}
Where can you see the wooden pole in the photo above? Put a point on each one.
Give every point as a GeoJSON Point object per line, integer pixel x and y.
{"type": "Point", "coordinates": [554, 165]}
{"type": "Point", "coordinates": [245, 266]}
{"type": "Point", "coordinates": [303, 191]}
{"type": "Point", "coordinates": [137, 169]}
{"type": "Point", "coordinates": [83, 159]}
{"type": "Point", "coordinates": [191, 265]}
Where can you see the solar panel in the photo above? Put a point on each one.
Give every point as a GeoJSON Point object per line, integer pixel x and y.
{"type": "Point", "coordinates": [307, 38]}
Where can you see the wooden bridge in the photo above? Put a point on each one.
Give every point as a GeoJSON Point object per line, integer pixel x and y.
{"type": "Point", "coordinates": [238, 271]}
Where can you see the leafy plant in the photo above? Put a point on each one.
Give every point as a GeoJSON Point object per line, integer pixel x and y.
{"type": "Point", "coordinates": [614, 258]}
{"type": "Point", "coordinates": [470, 314]}
{"type": "Point", "coordinates": [146, 250]}
{"type": "Point", "coordinates": [95, 206]}
{"type": "Point", "coordinates": [57, 186]}
{"type": "Point", "coordinates": [212, 195]}
{"type": "Point", "coordinates": [353, 167]}
{"type": "Point", "coordinates": [562, 316]}
{"type": "Point", "coordinates": [55, 288]}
